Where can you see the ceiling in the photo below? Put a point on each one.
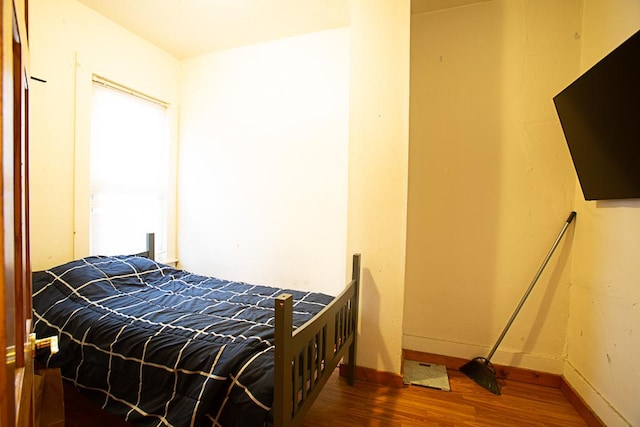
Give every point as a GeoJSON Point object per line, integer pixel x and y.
{"type": "Point", "coordinates": [423, 6]}
{"type": "Point", "coordinates": [186, 28]}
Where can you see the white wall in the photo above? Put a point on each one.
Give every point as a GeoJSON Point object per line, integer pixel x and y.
{"type": "Point", "coordinates": [604, 325]}
{"type": "Point", "coordinates": [68, 42]}
{"type": "Point", "coordinates": [490, 180]}
{"type": "Point", "coordinates": [263, 162]}
{"type": "Point", "coordinates": [378, 156]}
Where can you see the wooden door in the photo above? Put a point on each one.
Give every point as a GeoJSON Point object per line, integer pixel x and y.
{"type": "Point", "coordinates": [16, 372]}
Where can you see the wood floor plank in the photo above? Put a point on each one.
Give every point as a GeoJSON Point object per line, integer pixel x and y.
{"type": "Point", "coordinates": [467, 404]}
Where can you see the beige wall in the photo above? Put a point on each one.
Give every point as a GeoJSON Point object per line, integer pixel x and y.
{"type": "Point", "coordinates": [604, 326]}
{"type": "Point", "coordinates": [263, 162]}
{"type": "Point", "coordinates": [378, 153]}
{"type": "Point", "coordinates": [69, 42]}
{"type": "Point", "coordinates": [490, 180]}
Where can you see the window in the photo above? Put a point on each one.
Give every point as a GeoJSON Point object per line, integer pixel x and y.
{"type": "Point", "coordinates": [128, 170]}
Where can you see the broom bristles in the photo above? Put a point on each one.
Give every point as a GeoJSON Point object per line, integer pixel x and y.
{"type": "Point", "coordinates": [483, 373]}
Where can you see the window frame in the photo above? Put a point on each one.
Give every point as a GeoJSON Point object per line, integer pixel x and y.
{"type": "Point", "coordinates": [81, 174]}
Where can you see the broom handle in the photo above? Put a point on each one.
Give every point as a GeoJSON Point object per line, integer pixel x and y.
{"type": "Point", "coordinates": [533, 282]}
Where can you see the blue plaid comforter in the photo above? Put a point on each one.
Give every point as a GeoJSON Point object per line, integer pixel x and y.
{"type": "Point", "coordinates": [160, 346]}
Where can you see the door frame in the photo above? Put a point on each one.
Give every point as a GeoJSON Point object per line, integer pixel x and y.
{"type": "Point", "coordinates": [16, 372]}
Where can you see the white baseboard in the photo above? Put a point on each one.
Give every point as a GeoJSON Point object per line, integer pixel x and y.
{"type": "Point", "coordinates": [469, 351]}
{"type": "Point", "coordinates": [594, 400]}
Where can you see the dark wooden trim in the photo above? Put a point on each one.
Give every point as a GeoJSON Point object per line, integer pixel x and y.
{"type": "Point", "coordinates": [374, 376]}
{"type": "Point", "coordinates": [580, 405]}
{"type": "Point", "coordinates": [16, 361]}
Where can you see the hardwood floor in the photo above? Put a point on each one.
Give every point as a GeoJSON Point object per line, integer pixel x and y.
{"type": "Point", "coordinates": [81, 412]}
{"type": "Point", "coordinates": [467, 404]}
{"type": "Point", "coordinates": [367, 404]}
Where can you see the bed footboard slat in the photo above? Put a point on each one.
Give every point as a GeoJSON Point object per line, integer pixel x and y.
{"type": "Point", "coordinates": [305, 372]}
{"type": "Point", "coordinates": [319, 355]}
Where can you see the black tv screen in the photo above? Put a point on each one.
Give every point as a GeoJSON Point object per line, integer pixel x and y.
{"type": "Point", "coordinates": [600, 117]}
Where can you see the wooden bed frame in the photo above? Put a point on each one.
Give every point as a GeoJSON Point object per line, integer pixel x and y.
{"type": "Point", "coordinates": [151, 247]}
{"type": "Point", "coordinates": [307, 357]}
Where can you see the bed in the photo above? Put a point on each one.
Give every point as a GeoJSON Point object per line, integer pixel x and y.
{"type": "Point", "coordinates": [156, 345]}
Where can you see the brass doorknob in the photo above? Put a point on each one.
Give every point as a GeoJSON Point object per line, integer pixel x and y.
{"type": "Point", "coordinates": [51, 342]}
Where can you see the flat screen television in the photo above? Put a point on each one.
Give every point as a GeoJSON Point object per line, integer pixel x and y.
{"type": "Point", "coordinates": [600, 118]}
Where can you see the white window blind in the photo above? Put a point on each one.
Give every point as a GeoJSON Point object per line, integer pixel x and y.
{"type": "Point", "coordinates": [128, 170]}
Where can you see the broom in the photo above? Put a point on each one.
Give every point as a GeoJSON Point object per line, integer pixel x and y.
{"type": "Point", "coordinates": [480, 369]}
